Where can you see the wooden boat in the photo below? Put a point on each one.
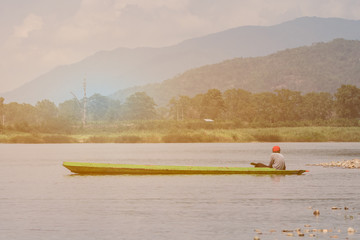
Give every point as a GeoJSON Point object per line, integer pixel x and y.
{"type": "Point", "coordinates": [107, 168]}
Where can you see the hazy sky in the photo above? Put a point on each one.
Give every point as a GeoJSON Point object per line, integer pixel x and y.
{"type": "Point", "coordinates": [37, 35]}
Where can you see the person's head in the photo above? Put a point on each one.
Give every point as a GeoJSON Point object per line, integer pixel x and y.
{"type": "Point", "coordinates": [276, 149]}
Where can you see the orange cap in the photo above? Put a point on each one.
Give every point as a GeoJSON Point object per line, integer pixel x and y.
{"type": "Point", "coordinates": [276, 149]}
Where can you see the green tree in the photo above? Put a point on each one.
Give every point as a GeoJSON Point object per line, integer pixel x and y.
{"type": "Point", "coordinates": [71, 110]}
{"type": "Point", "coordinates": [265, 107]}
{"type": "Point", "coordinates": [114, 111]}
{"type": "Point", "coordinates": [97, 107]}
{"type": "Point", "coordinates": [288, 105]}
{"type": "Point", "coordinates": [212, 104]}
{"type": "Point", "coordinates": [239, 105]}
{"type": "Point", "coordinates": [46, 110]}
{"type": "Point", "coordinates": [347, 101]}
{"type": "Point", "coordinates": [317, 106]}
{"type": "Point", "coordinates": [48, 119]}
{"type": "Point", "coordinates": [180, 108]}
{"type": "Point", "coordinates": [139, 106]}
{"type": "Point", "coordinates": [196, 106]}
{"type": "Point", "coordinates": [20, 116]}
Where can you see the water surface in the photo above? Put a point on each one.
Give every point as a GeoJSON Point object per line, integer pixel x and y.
{"type": "Point", "coordinates": [40, 199]}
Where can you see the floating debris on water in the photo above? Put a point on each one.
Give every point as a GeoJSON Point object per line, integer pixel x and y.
{"type": "Point", "coordinates": [316, 212]}
{"type": "Point", "coordinates": [354, 163]}
{"type": "Point", "coordinates": [258, 231]}
{"type": "Point", "coordinates": [314, 230]}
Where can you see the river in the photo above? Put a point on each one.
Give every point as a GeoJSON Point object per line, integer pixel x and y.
{"type": "Point", "coordinates": [40, 199]}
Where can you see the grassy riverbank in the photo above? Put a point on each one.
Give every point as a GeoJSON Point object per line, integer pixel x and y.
{"type": "Point", "coordinates": [187, 135]}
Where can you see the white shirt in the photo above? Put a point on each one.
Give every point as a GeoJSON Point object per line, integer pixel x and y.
{"type": "Point", "coordinates": [277, 161]}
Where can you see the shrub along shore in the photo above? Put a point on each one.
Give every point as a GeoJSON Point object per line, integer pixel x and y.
{"type": "Point", "coordinates": [181, 134]}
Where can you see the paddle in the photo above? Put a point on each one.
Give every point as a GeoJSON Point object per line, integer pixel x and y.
{"type": "Point", "coordinates": [261, 165]}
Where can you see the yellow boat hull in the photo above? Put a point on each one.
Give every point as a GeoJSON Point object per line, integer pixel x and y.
{"type": "Point", "coordinates": [108, 168]}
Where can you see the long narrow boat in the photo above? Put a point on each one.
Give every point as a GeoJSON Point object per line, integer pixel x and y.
{"type": "Point", "coordinates": [107, 168]}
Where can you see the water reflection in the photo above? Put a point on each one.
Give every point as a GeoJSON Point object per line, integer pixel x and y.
{"type": "Point", "coordinates": [277, 178]}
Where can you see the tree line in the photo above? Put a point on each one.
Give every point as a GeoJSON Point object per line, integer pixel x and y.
{"type": "Point", "coordinates": [280, 106]}
{"type": "Point", "coordinates": [46, 116]}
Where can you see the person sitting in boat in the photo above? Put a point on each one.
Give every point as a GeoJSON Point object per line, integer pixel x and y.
{"type": "Point", "coordinates": [277, 160]}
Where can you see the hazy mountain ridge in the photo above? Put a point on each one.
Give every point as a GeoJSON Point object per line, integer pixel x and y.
{"type": "Point", "coordinates": [320, 67]}
{"type": "Point", "coordinates": [109, 71]}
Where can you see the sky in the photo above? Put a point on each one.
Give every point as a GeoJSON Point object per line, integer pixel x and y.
{"type": "Point", "coordinates": [38, 35]}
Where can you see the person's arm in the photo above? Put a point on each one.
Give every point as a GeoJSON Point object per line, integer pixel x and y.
{"type": "Point", "coordinates": [271, 161]}
{"type": "Point", "coordinates": [260, 165]}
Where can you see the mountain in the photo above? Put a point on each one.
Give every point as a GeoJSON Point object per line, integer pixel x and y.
{"type": "Point", "coordinates": [319, 67]}
{"type": "Point", "coordinates": [108, 71]}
